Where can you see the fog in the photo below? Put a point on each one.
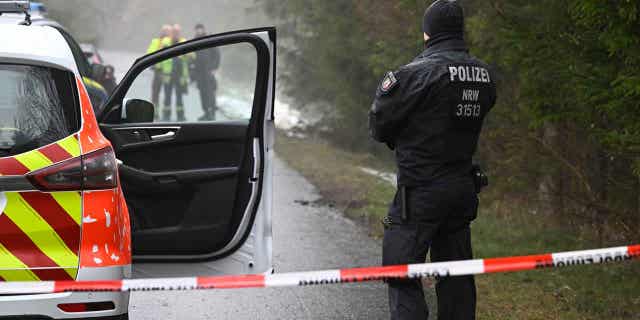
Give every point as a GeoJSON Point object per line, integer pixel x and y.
{"type": "Point", "coordinates": [130, 24]}
{"type": "Point", "coordinates": [123, 29]}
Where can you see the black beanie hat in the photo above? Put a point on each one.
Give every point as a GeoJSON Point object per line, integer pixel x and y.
{"type": "Point", "coordinates": [444, 17]}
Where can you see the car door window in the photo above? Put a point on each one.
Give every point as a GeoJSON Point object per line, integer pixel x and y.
{"type": "Point", "coordinates": [187, 124]}
{"type": "Point", "coordinates": [210, 85]}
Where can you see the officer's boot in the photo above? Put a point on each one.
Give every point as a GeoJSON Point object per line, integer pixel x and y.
{"type": "Point", "coordinates": [166, 113]}
{"type": "Point", "coordinates": [180, 113]}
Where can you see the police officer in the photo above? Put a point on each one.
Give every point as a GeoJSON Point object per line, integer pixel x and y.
{"type": "Point", "coordinates": [203, 71]}
{"type": "Point", "coordinates": [431, 112]}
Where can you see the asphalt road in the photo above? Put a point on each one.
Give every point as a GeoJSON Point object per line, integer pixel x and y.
{"type": "Point", "coordinates": [305, 238]}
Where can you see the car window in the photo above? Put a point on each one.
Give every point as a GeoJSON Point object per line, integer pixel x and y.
{"type": "Point", "coordinates": [210, 85]}
{"type": "Point", "coordinates": [37, 107]}
{"type": "Point", "coordinates": [78, 55]}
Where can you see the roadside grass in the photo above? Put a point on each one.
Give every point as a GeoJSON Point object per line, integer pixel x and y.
{"type": "Point", "coordinates": [502, 229]}
{"type": "Point", "coordinates": [581, 292]}
{"type": "Point", "coordinates": [340, 181]}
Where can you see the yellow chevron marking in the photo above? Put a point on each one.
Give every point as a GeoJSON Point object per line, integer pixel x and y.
{"type": "Point", "coordinates": [12, 269]}
{"type": "Point", "coordinates": [34, 160]}
{"type": "Point", "coordinates": [71, 202]}
{"type": "Point", "coordinates": [39, 231]}
{"type": "Point", "coordinates": [72, 271]}
{"type": "Point", "coordinates": [71, 145]}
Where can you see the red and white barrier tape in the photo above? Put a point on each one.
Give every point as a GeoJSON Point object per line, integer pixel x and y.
{"type": "Point", "coordinates": [415, 271]}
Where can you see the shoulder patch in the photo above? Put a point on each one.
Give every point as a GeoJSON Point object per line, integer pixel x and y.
{"type": "Point", "coordinates": [388, 83]}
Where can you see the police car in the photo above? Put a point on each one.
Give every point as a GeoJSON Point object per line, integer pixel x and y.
{"type": "Point", "coordinates": [38, 7]}
{"type": "Point", "coordinates": [91, 195]}
{"type": "Point", "coordinates": [89, 71]}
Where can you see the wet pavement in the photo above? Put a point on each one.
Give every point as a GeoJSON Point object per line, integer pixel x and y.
{"type": "Point", "coordinates": [306, 238]}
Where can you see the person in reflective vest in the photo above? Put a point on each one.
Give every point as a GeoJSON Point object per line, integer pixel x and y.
{"type": "Point", "coordinates": [175, 73]}
{"type": "Point", "coordinates": [157, 44]}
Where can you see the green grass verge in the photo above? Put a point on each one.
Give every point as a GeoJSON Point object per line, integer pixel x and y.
{"type": "Point", "coordinates": [339, 179]}
{"type": "Point", "coordinates": [585, 292]}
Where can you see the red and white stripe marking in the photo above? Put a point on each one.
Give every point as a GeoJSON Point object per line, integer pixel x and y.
{"type": "Point", "coordinates": [328, 277]}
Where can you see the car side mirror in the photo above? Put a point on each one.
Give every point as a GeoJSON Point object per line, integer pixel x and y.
{"type": "Point", "coordinates": [97, 71]}
{"type": "Point", "coordinates": [138, 111]}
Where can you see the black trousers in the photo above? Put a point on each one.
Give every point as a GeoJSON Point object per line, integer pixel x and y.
{"type": "Point", "coordinates": [169, 88]}
{"type": "Point", "coordinates": [438, 218]}
{"type": "Point", "coordinates": [207, 88]}
{"type": "Point", "coordinates": [156, 86]}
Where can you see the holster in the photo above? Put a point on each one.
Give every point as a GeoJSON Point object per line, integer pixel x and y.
{"type": "Point", "coordinates": [388, 221]}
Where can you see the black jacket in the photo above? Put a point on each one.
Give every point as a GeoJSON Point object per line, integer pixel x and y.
{"type": "Point", "coordinates": [431, 112]}
{"type": "Point", "coordinates": [206, 61]}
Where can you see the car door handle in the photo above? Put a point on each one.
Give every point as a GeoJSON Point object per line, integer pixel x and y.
{"type": "Point", "coordinates": [164, 136]}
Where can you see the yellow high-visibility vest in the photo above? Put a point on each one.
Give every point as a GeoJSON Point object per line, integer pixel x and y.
{"type": "Point", "coordinates": [156, 44]}
{"type": "Point", "coordinates": [167, 66]}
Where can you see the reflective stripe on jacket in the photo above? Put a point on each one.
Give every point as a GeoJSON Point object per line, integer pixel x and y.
{"type": "Point", "coordinates": [166, 66]}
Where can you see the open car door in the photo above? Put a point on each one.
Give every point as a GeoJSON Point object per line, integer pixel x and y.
{"type": "Point", "coordinates": [192, 128]}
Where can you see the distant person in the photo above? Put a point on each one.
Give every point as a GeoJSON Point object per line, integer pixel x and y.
{"type": "Point", "coordinates": [108, 80]}
{"type": "Point", "coordinates": [431, 113]}
{"type": "Point", "coordinates": [203, 72]}
{"type": "Point", "coordinates": [162, 40]}
{"type": "Point", "coordinates": [158, 43]}
{"type": "Point", "coordinates": [176, 76]}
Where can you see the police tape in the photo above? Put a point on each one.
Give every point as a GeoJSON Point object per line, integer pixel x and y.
{"type": "Point", "coordinates": [338, 276]}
